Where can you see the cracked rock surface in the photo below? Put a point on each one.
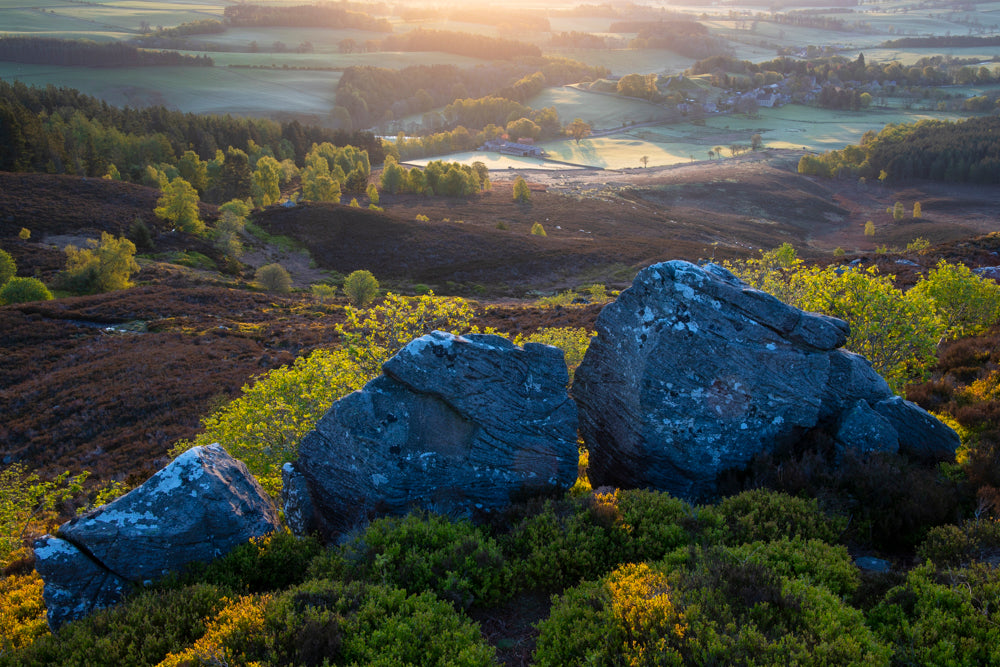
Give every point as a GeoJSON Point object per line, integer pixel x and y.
{"type": "Point", "coordinates": [694, 373]}
{"type": "Point", "coordinates": [196, 509]}
{"type": "Point", "coordinates": [459, 425]}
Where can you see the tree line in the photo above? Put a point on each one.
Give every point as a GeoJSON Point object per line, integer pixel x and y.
{"type": "Point", "coordinates": [334, 15]}
{"type": "Point", "coordinates": [60, 130]}
{"type": "Point", "coordinates": [965, 151]}
{"type": "Point", "coordinates": [86, 53]}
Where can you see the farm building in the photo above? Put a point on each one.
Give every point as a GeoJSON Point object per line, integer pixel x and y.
{"type": "Point", "coordinates": [513, 148]}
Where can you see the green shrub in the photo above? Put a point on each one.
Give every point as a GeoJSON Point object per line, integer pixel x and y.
{"type": "Point", "coordinates": [949, 545]}
{"type": "Point", "coordinates": [572, 341]}
{"type": "Point", "coordinates": [103, 266]}
{"type": "Point", "coordinates": [521, 191]}
{"type": "Point", "coordinates": [323, 293]}
{"type": "Point", "coordinates": [8, 268]}
{"type": "Point", "coordinates": [762, 514]}
{"type": "Point", "coordinates": [23, 290]}
{"type": "Point", "coordinates": [269, 563]}
{"type": "Point", "coordinates": [140, 234]}
{"type": "Point", "coordinates": [814, 561]}
{"type": "Point", "coordinates": [361, 288]}
{"type": "Point", "coordinates": [274, 278]}
{"type": "Point", "coordinates": [140, 631]}
{"type": "Point", "coordinates": [332, 623]}
{"type": "Point", "coordinates": [423, 552]}
{"type": "Point", "coordinates": [706, 607]}
{"type": "Point", "coordinates": [538, 230]}
{"type": "Point", "coordinates": [942, 619]}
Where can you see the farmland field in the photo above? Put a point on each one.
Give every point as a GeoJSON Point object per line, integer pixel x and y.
{"type": "Point", "coordinates": [602, 111]}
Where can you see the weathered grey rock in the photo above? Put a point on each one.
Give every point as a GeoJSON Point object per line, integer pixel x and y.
{"type": "Point", "coordinates": [921, 434]}
{"type": "Point", "coordinates": [862, 430]}
{"type": "Point", "coordinates": [694, 373]}
{"type": "Point", "coordinates": [196, 509]}
{"type": "Point", "coordinates": [456, 425]}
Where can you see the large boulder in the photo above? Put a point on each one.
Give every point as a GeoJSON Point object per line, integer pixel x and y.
{"type": "Point", "coordinates": [196, 509]}
{"type": "Point", "coordinates": [455, 425]}
{"type": "Point", "coordinates": [693, 373]}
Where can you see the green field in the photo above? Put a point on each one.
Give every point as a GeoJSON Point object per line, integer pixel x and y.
{"type": "Point", "coordinates": [628, 61]}
{"type": "Point", "coordinates": [601, 110]}
{"type": "Point", "coordinates": [494, 161]}
{"type": "Point", "coordinates": [98, 21]}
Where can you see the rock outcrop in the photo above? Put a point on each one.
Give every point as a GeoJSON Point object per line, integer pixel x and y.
{"type": "Point", "coordinates": [693, 373]}
{"type": "Point", "coordinates": [456, 425]}
{"type": "Point", "coordinates": [196, 509]}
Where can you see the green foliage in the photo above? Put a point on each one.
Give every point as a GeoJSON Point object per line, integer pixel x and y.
{"type": "Point", "coordinates": [422, 218]}
{"type": "Point", "coordinates": [263, 427]}
{"type": "Point", "coordinates": [269, 563]}
{"type": "Point", "coordinates": [966, 303]}
{"type": "Point", "coordinates": [950, 546]}
{"type": "Point", "coordinates": [141, 631]}
{"type": "Point", "coordinates": [140, 234]}
{"type": "Point", "coordinates": [705, 607]}
{"type": "Point", "coordinates": [372, 193]}
{"type": "Point", "coordinates": [21, 290]}
{"type": "Point", "coordinates": [8, 268]}
{"type": "Point", "coordinates": [323, 293]}
{"type": "Point", "coordinates": [178, 205]}
{"type": "Point", "coordinates": [628, 618]}
{"type": "Point", "coordinates": [538, 230]}
{"type": "Point", "coordinates": [918, 245]}
{"type": "Point", "coordinates": [274, 278]}
{"type": "Point", "coordinates": [27, 503]}
{"type": "Point", "coordinates": [372, 336]}
{"type": "Point", "coordinates": [361, 287]}
{"type": "Point", "coordinates": [266, 188]}
{"type": "Point", "coordinates": [918, 211]}
{"type": "Point", "coordinates": [454, 560]}
{"type": "Point", "coordinates": [812, 560]}
{"type": "Point", "coordinates": [761, 514]}
{"type": "Point", "coordinates": [572, 341]}
{"type": "Point", "coordinates": [948, 618]}
{"type": "Point", "coordinates": [869, 228]}
{"type": "Point", "coordinates": [101, 267]}
{"type": "Point", "coordinates": [521, 192]}
{"type": "Point", "coordinates": [24, 235]}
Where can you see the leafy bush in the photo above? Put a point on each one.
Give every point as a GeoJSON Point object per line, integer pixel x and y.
{"type": "Point", "coordinates": [966, 303]}
{"type": "Point", "coordinates": [323, 293]}
{"type": "Point", "coordinates": [420, 553]}
{"type": "Point", "coordinates": [331, 623]}
{"type": "Point", "coordinates": [274, 278]}
{"type": "Point", "coordinates": [361, 288]}
{"type": "Point", "coordinates": [950, 545]}
{"type": "Point", "coordinates": [140, 631]}
{"type": "Point", "coordinates": [268, 563]}
{"type": "Point", "coordinates": [103, 266]}
{"type": "Point", "coordinates": [23, 290]}
{"type": "Point", "coordinates": [815, 561]}
{"type": "Point", "coordinates": [949, 618]}
{"type": "Point", "coordinates": [762, 514]}
{"type": "Point", "coordinates": [294, 398]}
{"type": "Point", "coordinates": [521, 191]}
{"type": "Point", "coordinates": [627, 618]}
{"type": "Point", "coordinates": [8, 268]}
{"type": "Point", "coordinates": [28, 502]}
{"type": "Point", "coordinates": [705, 607]}
{"type": "Point", "coordinates": [140, 234]}
{"type": "Point", "coordinates": [538, 230]}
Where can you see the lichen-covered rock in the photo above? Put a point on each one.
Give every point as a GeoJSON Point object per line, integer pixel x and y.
{"type": "Point", "coordinates": [694, 373]}
{"type": "Point", "coordinates": [196, 509]}
{"type": "Point", "coordinates": [862, 430]}
{"type": "Point", "coordinates": [456, 425]}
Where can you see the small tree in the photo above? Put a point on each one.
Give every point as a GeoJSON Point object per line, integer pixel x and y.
{"type": "Point", "coordinates": [644, 160]}
{"type": "Point", "coordinates": [372, 193]}
{"type": "Point", "coordinates": [274, 278]}
{"type": "Point", "coordinates": [578, 129]}
{"type": "Point", "coordinates": [756, 142]}
{"type": "Point", "coordinates": [538, 230]}
{"type": "Point", "coordinates": [179, 206]}
{"type": "Point", "coordinates": [140, 234]}
{"type": "Point", "coordinates": [870, 229]}
{"type": "Point", "coordinates": [323, 293]}
{"type": "Point", "coordinates": [898, 212]}
{"type": "Point", "coordinates": [361, 288]}
{"type": "Point", "coordinates": [521, 191]}
{"type": "Point", "coordinates": [8, 268]}
{"type": "Point", "coordinates": [966, 303]}
{"type": "Point", "coordinates": [24, 234]}
{"type": "Point", "coordinates": [917, 210]}
{"type": "Point", "coordinates": [22, 290]}
{"type": "Point", "coordinates": [103, 266]}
